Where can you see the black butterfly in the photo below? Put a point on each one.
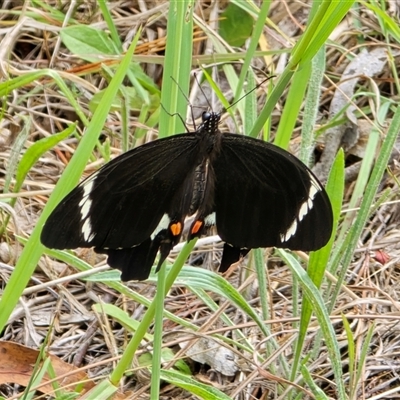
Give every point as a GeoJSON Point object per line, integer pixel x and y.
{"type": "Point", "coordinates": [256, 194]}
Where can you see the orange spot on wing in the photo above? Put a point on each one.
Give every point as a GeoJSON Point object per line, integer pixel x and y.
{"type": "Point", "coordinates": [176, 229]}
{"type": "Point", "coordinates": [196, 226]}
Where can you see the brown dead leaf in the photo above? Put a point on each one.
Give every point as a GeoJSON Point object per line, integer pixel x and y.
{"type": "Point", "coordinates": [18, 361]}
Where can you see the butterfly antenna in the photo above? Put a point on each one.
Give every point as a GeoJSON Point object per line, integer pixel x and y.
{"type": "Point", "coordinates": [189, 104]}
{"type": "Point", "coordinates": [252, 90]}
{"type": "Point", "coordinates": [202, 92]}
{"type": "Point", "coordinates": [175, 115]}
{"type": "Point", "coordinates": [237, 101]}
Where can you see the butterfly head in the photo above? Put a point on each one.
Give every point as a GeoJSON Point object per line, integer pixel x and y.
{"type": "Point", "coordinates": [210, 122]}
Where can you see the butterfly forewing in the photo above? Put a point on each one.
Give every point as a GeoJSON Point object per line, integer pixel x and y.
{"type": "Point", "coordinates": [121, 204]}
{"type": "Point", "coordinates": [266, 197]}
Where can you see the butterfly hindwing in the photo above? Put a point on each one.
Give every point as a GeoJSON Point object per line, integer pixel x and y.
{"type": "Point", "coordinates": [135, 263]}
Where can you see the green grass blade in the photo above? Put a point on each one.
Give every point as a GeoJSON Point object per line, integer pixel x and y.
{"type": "Point", "coordinates": [34, 152]}
{"type": "Point", "coordinates": [177, 65]}
{"type": "Point", "coordinates": [293, 106]}
{"type": "Point", "coordinates": [311, 107]}
{"type": "Point", "coordinates": [195, 387]}
{"type": "Point", "coordinates": [33, 249]}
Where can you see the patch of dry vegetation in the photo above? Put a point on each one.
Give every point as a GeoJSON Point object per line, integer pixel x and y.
{"type": "Point", "coordinates": [58, 308]}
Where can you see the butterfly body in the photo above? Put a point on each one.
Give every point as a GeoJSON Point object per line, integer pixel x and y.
{"type": "Point", "coordinates": [256, 194]}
